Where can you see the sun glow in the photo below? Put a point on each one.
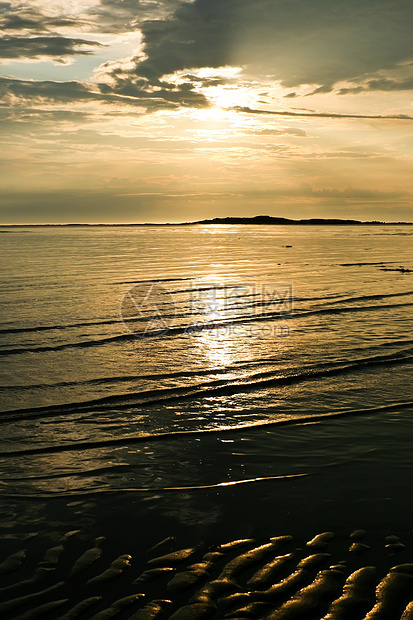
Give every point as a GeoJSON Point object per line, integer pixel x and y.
{"type": "Point", "coordinates": [222, 86]}
{"type": "Point", "coordinates": [229, 96]}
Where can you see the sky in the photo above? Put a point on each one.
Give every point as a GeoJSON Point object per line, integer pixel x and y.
{"type": "Point", "coordinates": [134, 111]}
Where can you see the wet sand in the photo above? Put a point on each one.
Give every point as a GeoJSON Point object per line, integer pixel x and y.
{"type": "Point", "coordinates": [299, 481]}
{"type": "Point", "coordinates": [279, 577]}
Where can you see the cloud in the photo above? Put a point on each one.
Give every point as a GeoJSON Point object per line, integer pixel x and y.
{"type": "Point", "coordinates": [355, 194]}
{"type": "Point", "coordinates": [321, 43]}
{"type": "Point", "coordinates": [17, 93]}
{"type": "Point", "coordinates": [38, 116]}
{"type": "Point", "coordinates": [248, 110]}
{"type": "Point", "coordinates": [34, 48]}
{"type": "Point", "coordinates": [20, 22]}
{"type": "Point", "coordinates": [130, 13]}
{"type": "Point", "coordinates": [154, 94]}
{"type": "Point", "coordinates": [297, 42]}
{"type": "Point", "coordinates": [46, 90]}
{"type": "Point", "coordinates": [33, 34]}
{"type": "Point", "coordinates": [291, 131]}
{"type": "Point", "coordinates": [111, 16]}
{"type": "Point", "coordinates": [379, 84]}
{"type": "Point", "coordinates": [30, 16]}
{"type": "Point", "coordinates": [350, 194]}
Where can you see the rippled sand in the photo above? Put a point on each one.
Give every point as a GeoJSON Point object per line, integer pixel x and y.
{"type": "Point", "coordinates": [327, 577]}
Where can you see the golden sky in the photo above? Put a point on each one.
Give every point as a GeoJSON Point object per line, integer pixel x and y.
{"type": "Point", "coordinates": [176, 110]}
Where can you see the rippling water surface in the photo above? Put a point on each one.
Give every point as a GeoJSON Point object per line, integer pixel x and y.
{"type": "Point", "coordinates": [127, 351]}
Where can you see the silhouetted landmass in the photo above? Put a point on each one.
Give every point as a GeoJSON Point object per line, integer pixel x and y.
{"type": "Point", "coordinates": [267, 220]}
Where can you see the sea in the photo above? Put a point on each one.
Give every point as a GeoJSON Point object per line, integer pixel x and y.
{"type": "Point", "coordinates": [205, 381]}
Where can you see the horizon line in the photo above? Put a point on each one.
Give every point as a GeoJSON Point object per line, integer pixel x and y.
{"type": "Point", "coordinates": [227, 220]}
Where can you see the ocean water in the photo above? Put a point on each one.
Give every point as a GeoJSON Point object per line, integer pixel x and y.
{"type": "Point", "coordinates": [187, 371]}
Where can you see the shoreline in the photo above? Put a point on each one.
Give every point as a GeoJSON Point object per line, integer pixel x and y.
{"type": "Point", "coordinates": [356, 480]}
{"type": "Point", "coordinates": [351, 470]}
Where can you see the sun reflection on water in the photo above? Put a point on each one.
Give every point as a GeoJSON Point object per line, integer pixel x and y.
{"type": "Point", "coordinates": [218, 350]}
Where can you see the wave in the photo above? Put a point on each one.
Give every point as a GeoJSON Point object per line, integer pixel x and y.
{"type": "Point", "coordinates": [220, 387]}
{"type": "Point", "coordinates": [120, 321]}
{"type": "Point", "coordinates": [68, 345]}
{"type": "Point", "coordinates": [199, 487]}
{"type": "Point", "coordinates": [147, 437]}
{"type": "Point", "coordinates": [373, 297]}
{"type": "Point", "coordinates": [41, 328]}
{"type": "Point", "coordinates": [182, 374]}
{"type": "Point", "coordinates": [365, 264]}
{"type": "Point", "coordinates": [151, 281]}
{"type": "Point", "coordinates": [170, 331]}
{"type": "Point", "coordinates": [221, 370]}
{"type": "Point", "coordinates": [45, 328]}
{"type": "Point", "coordinates": [287, 315]}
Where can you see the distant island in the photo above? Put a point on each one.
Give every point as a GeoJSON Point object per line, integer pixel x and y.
{"type": "Point", "coordinates": [280, 221]}
{"type": "Point", "coordinates": [268, 220]}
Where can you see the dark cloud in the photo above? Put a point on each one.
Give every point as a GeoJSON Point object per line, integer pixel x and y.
{"type": "Point", "coordinates": [295, 42]}
{"type": "Point", "coordinates": [181, 42]}
{"type": "Point", "coordinates": [247, 110]}
{"type": "Point", "coordinates": [119, 15]}
{"type": "Point", "coordinates": [23, 17]}
{"type": "Point", "coordinates": [29, 34]}
{"type": "Point", "coordinates": [208, 82]}
{"type": "Point", "coordinates": [193, 37]}
{"type": "Point", "coordinates": [37, 47]}
{"type": "Point", "coordinates": [12, 91]}
{"type": "Point", "coordinates": [19, 22]}
{"type": "Point", "coordinates": [324, 41]}
{"type": "Point", "coordinates": [182, 94]}
{"type": "Point", "coordinates": [383, 84]}
{"type": "Point", "coordinates": [54, 91]}
{"type": "Point", "coordinates": [109, 16]}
